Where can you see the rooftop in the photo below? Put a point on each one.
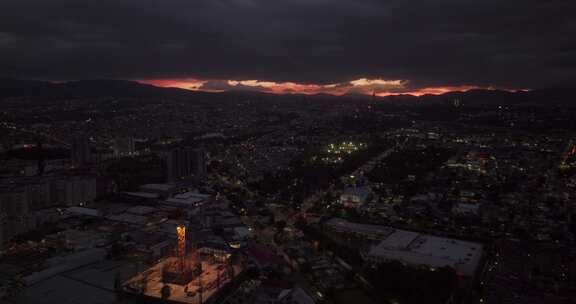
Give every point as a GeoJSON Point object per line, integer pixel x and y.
{"type": "Point", "coordinates": [142, 194]}
{"type": "Point", "coordinates": [158, 187]}
{"type": "Point", "coordinates": [361, 192]}
{"type": "Point", "coordinates": [141, 210]}
{"type": "Point", "coordinates": [187, 199]}
{"type": "Point", "coordinates": [344, 225]}
{"type": "Point", "coordinates": [421, 249]}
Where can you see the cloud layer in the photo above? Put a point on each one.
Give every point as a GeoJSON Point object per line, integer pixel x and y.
{"type": "Point", "coordinates": [301, 43]}
{"type": "Point", "coordinates": [378, 87]}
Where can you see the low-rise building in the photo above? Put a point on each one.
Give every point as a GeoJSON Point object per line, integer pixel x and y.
{"type": "Point", "coordinates": [354, 197]}
{"type": "Point", "coordinates": [374, 232]}
{"type": "Point", "coordinates": [421, 250]}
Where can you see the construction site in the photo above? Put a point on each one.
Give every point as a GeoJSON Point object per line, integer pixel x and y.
{"type": "Point", "coordinates": [187, 276]}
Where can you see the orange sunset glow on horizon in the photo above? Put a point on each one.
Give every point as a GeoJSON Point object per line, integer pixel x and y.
{"type": "Point", "coordinates": [364, 86]}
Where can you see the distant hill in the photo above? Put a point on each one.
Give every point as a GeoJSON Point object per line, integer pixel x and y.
{"type": "Point", "coordinates": [552, 96]}
{"type": "Point", "coordinates": [83, 88]}
{"type": "Point", "coordinates": [12, 87]}
{"type": "Point", "coordinates": [125, 88]}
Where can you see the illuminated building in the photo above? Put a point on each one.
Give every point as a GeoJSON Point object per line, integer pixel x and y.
{"type": "Point", "coordinates": [190, 275]}
{"type": "Point", "coordinates": [181, 269]}
{"type": "Point", "coordinates": [181, 232]}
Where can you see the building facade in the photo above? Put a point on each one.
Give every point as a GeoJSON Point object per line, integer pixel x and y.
{"type": "Point", "coordinates": [80, 152]}
{"type": "Point", "coordinates": [186, 162]}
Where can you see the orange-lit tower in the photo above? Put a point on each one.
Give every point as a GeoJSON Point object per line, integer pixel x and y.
{"type": "Point", "coordinates": [181, 250]}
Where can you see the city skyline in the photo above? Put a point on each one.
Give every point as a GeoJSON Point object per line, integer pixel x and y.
{"type": "Point", "coordinates": [294, 46]}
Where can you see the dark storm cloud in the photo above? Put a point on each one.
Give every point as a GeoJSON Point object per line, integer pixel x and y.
{"type": "Point", "coordinates": [513, 43]}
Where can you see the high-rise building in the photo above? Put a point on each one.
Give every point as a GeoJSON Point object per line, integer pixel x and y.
{"type": "Point", "coordinates": [80, 153]}
{"type": "Point", "coordinates": [38, 192]}
{"type": "Point", "coordinates": [2, 219]}
{"type": "Point", "coordinates": [177, 161]}
{"type": "Point", "coordinates": [75, 191]}
{"type": "Point", "coordinates": [25, 201]}
{"type": "Point", "coordinates": [186, 162]}
{"type": "Point", "coordinates": [13, 211]}
{"type": "Point", "coordinates": [124, 146]}
{"type": "Point", "coordinates": [199, 164]}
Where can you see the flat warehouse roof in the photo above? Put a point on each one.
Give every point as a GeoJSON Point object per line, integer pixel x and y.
{"type": "Point", "coordinates": [415, 248]}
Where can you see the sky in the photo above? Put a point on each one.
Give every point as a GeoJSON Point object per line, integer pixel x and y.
{"type": "Point", "coordinates": [294, 46]}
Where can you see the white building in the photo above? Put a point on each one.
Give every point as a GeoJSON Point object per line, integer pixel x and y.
{"type": "Point", "coordinates": [354, 197]}
{"type": "Point", "coordinates": [466, 209]}
{"type": "Point", "coordinates": [421, 250]}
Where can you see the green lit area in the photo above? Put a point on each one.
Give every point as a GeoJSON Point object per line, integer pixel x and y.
{"type": "Point", "coordinates": [336, 153]}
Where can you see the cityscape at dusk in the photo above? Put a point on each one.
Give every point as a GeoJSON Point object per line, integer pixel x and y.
{"type": "Point", "coordinates": [287, 152]}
